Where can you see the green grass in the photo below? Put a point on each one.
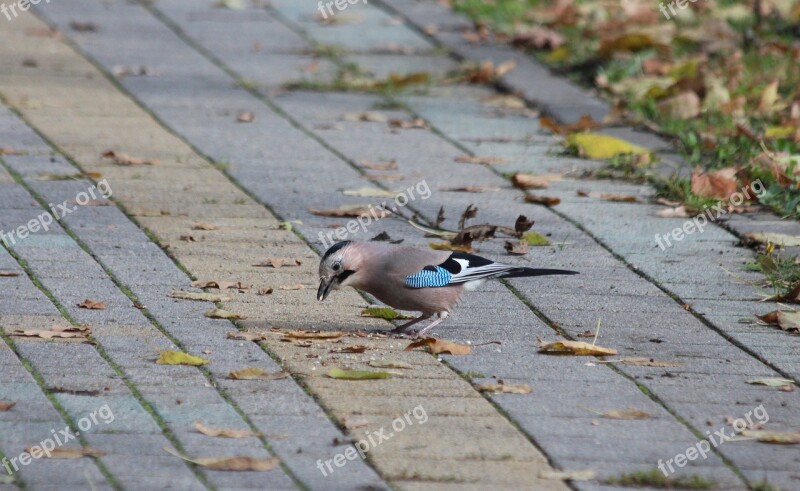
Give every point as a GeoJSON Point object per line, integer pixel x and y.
{"type": "Point", "coordinates": [781, 273]}
{"type": "Point", "coordinates": [656, 479]}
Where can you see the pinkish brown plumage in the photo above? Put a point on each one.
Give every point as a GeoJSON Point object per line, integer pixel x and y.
{"type": "Point", "coordinates": [410, 278]}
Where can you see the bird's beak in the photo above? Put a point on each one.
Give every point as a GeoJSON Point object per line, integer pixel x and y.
{"type": "Point", "coordinates": [325, 285]}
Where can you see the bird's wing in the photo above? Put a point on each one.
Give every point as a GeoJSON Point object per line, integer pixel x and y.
{"type": "Point", "coordinates": [458, 268]}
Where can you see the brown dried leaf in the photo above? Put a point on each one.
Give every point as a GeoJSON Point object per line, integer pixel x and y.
{"type": "Point", "coordinates": [223, 314]}
{"type": "Point", "coordinates": [471, 189]}
{"type": "Point", "coordinates": [278, 262]}
{"type": "Point", "coordinates": [313, 334]}
{"type": "Point", "coordinates": [236, 463]}
{"type": "Point", "coordinates": [358, 348]}
{"type": "Point", "coordinates": [92, 305]}
{"type": "Point", "coordinates": [222, 285]}
{"type": "Point", "coordinates": [530, 181]}
{"type": "Point", "coordinates": [353, 211]}
{"type": "Point", "coordinates": [8, 274]}
{"type": "Point", "coordinates": [630, 413]}
{"type": "Point", "coordinates": [780, 437]}
{"type": "Point", "coordinates": [264, 291]}
{"type": "Point", "coordinates": [246, 336]}
{"type": "Point", "coordinates": [390, 165]}
{"type": "Point", "coordinates": [256, 374]}
{"type": "Point", "coordinates": [127, 160]}
{"type": "Point", "coordinates": [477, 159]}
{"type": "Point", "coordinates": [245, 117]}
{"type": "Point", "coordinates": [788, 321]}
{"type": "Point", "coordinates": [437, 346]}
{"type": "Point", "coordinates": [409, 124]}
{"type": "Point", "coordinates": [54, 332]}
{"type": "Point", "coordinates": [298, 286]}
{"type": "Point", "coordinates": [201, 296]}
{"type": "Point", "coordinates": [204, 226]}
{"type": "Point", "coordinates": [522, 224]}
{"type": "Point", "coordinates": [519, 248]}
{"type": "Point", "coordinates": [542, 200]}
{"type": "Point", "coordinates": [584, 123]}
{"type": "Point", "coordinates": [719, 184]}
{"type": "Point", "coordinates": [576, 348]}
{"type": "Point", "coordinates": [6, 406]}
{"type": "Point", "coordinates": [677, 212]}
{"type": "Point", "coordinates": [371, 116]}
{"type": "Point", "coordinates": [73, 452]}
{"type": "Point", "coordinates": [539, 38]}
{"type": "Point", "coordinates": [223, 432]}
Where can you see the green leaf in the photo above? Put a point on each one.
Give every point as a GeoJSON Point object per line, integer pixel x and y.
{"type": "Point", "coordinates": [179, 358]}
{"type": "Point", "coordinates": [384, 313]}
{"type": "Point", "coordinates": [338, 373]}
{"type": "Point", "coordinates": [535, 239]}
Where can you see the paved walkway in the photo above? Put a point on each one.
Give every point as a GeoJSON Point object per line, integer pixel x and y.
{"type": "Point", "coordinates": [168, 82]}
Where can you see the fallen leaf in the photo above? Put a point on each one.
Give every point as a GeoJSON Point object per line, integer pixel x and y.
{"type": "Point", "coordinates": [486, 72]}
{"type": "Point", "coordinates": [409, 124]}
{"type": "Point", "coordinates": [471, 189]}
{"type": "Point", "coordinates": [788, 321]}
{"type": "Point", "coordinates": [780, 437]}
{"type": "Point", "coordinates": [127, 160]}
{"type": "Point", "coordinates": [768, 103]}
{"type": "Point", "coordinates": [278, 262]}
{"type": "Point", "coordinates": [535, 239]}
{"type": "Point", "coordinates": [677, 212]}
{"type": "Point", "coordinates": [223, 314]}
{"type": "Point", "coordinates": [358, 348]}
{"type": "Point", "coordinates": [245, 117]}
{"type": "Point", "coordinates": [771, 382]}
{"type": "Point", "coordinates": [437, 346]}
{"type": "Point", "coordinates": [577, 348]}
{"type": "Point", "coordinates": [519, 248]}
{"type": "Point", "coordinates": [237, 463]}
{"type": "Point", "coordinates": [542, 200]}
{"type": "Point", "coordinates": [630, 413]}
{"type": "Point", "coordinates": [256, 374]}
{"type": "Point", "coordinates": [530, 181]}
{"type": "Point", "coordinates": [584, 123]}
{"type": "Point", "coordinates": [719, 184]}
{"type": "Point", "coordinates": [598, 146]}
{"type": "Point", "coordinates": [384, 313]}
{"type": "Point", "coordinates": [221, 285]}
{"type": "Point", "coordinates": [6, 406]}
{"type": "Point", "coordinates": [777, 239]}
{"type": "Point", "coordinates": [223, 432]}
{"type": "Point", "coordinates": [201, 296]}
{"type": "Point", "coordinates": [538, 37]}
{"type": "Point", "coordinates": [502, 388]}
{"type": "Point", "coordinates": [578, 475]}
{"type": "Point", "coordinates": [264, 291]}
{"type": "Point", "coordinates": [338, 373]}
{"type": "Point", "coordinates": [72, 452]}
{"type": "Point", "coordinates": [476, 159]}
{"type": "Point", "coordinates": [353, 211]}
{"type": "Point", "coordinates": [8, 151]}
{"type": "Point", "coordinates": [246, 336]}
{"type": "Point", "coordinates": [92, 305]}
{"type": "Point", "coordinates": [446, 246]}
{"type": "Point", "coordinates": [389, 364]}
{"type": "Point", "coordinates": [179, 358]}
{"type": "Point", "coordinates": [367, 192]}
{"type": "Point", "coordinates": [792, 296]}
{"type": "Point", "coordinates": [371, 116]}
{"type": "Point", "coordinates": [292, 287]}
{"type": "Point", "coordinates": [8, 274]}
{"type": "Point", "coordinates": [685, 105]}
{"type": "Point", "coordinates": [54, 332]}
{"type": "Point", "coordinates": [204, 226]}
{"type": "Point", "coordinates": [390, 165]}
{"type": "Point", "coordinates": [624, 198]}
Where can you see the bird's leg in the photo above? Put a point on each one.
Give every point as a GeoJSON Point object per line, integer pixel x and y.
{"type": "Point", "coordinates": [442, 316]}
{"type": "Point", "coordinates": [402, 329]}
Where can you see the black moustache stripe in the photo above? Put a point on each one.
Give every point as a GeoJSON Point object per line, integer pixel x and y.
{"type": "Point", "coordinates": [344, 275]}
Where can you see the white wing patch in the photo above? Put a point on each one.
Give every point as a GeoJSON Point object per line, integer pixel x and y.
{"type": "Point", "coordinates": [468, 273]}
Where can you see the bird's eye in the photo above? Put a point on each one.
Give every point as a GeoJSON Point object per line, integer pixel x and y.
{"type": "Point", "coordinates": [336, 266]}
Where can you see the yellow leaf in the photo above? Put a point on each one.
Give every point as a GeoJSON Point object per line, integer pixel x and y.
{"type": "Point", "coordinates": [597, 146]}
{"type": "Point", "coordinates": [781, 437]}
{"type": "Point", "coordinates": [446, 246]}
{"type": "Point", "coordinates": [223, 432]}
{"type": "Point", "coordinates": [779, 132]}
{"type": "Point", "coordinates": [236, 463]}
{"type": "Point", "coordinates": [535, 239]}
{"type": "Point", "coordinates": [179, 358]}
{"type": "Point", "coordinates": [340, 374]}
{"type": "Point", "coordinates": [437, 346]}
{"type": "Point", "coordinates": [577, 348]}
{"type": "Point", "coordinates": [384, 313]}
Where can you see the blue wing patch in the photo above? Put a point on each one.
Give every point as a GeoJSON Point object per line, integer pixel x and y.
{"type": "Point", "coordinates": [429, 277]}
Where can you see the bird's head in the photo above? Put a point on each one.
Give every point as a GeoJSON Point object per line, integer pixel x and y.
{"type": "Point", "coordinates": [337, 267]}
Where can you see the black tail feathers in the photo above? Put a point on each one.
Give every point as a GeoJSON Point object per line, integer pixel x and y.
{"type": "Point", "coordinates": [522, 272]}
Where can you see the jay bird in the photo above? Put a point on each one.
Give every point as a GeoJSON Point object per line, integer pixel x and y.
{"type": "Point", "coordinates": [409, 278]}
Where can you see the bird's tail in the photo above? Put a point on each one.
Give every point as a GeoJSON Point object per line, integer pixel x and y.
{"type": "Point", "coordinates": [522, 272]}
